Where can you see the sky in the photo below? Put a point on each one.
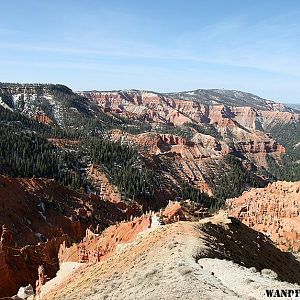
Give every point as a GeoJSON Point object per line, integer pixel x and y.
{"type": "Point", "coordinates": [162, 46]}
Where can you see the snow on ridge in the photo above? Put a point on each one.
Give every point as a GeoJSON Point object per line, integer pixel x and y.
{"type": "Point", "coordinates": [48, 97]}
{"type": "Point", "coordinates": [148, 94]}
{"type": "Point", "coordinates": [57, 111]}
{"type": "Point", "coordinates": [16, 98]}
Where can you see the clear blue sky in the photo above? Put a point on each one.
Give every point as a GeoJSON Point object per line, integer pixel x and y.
{"type": "Point", "coordinates": [250, 45]}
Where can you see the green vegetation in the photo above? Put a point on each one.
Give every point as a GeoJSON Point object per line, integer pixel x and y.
{"type": "Point", "coordinates": [232, 178]}
{"type": "Point", "coordinates": [289, 167]}
{"type": "Point", "coordinates": [194, 194]}
{"type": "Point", "coordinates": [208, 129]}
{"type": "Point", "coordinates": [25, 154]}
{"type": "Point", "coordinates": [18, 121]}
{"type": "Point", "coordinates": [125, 167]}
{"type": "Point", "coordinates": [184, 131]}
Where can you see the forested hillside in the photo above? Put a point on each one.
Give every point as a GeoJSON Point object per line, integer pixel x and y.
{"type": "Point", "coordinates": [48, 131]}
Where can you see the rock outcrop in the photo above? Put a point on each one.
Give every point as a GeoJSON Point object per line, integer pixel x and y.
{"type": "Point", "coordinates": [42, 278]}
{"type": "Point", "coordinates": [183, 211]}
{"type": "Point", "coordinates": [274, 210]}
{"type": "Point", "coordinates": [19, 266]}
{"type": "Point", "coordinates": [6, 237]}
{"type": "Point", "coordinates": [36, 217]}
{"type": "Point", "coordinates": [95, 248]}
{"type": "Point", "coordinates": [35, 210]}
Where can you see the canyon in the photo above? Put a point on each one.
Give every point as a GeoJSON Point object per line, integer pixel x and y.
{"type": "Point", "coordinates": [95, 185]}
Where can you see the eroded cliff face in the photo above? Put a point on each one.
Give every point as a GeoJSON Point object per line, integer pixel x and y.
{"type": "Point", "coordinates": [271, 118]}
{"type": "Point", "coordinates": [19, 266]}
{"type": "Point", "coordinates": [200, 146]}
{"type": "Point", "coordinates": [242, 126]}
{"type": "Point", "coordinates": [38, 209]}
{"type": "Point", "coordinates": [198, 160]}
{"type": "Point", "coordinates": [274, 210]}
{"type": "Point", "coordinates": [241, 119]}
{"type": "Point", "coordinates": [177, 158]}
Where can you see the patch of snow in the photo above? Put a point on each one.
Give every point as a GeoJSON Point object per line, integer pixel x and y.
{"type": "Point", "coordinates": [39, 235]}
{"type": "Point", "coordinates": [57, 111]}
{"type": "Point", "coordinates": [25, 292]}
{"type": "Point", "coordinates": [43, 216]}
{"type": "Point", "coordinates": [297, 145]}
{"type": "Point", "coordinates": [48, 97]}
{"type": "Point", "coordinates": [155, 222]}
{"type": "Point", "coordinates": [148, 94]}
{"type": "Point", "coordinates": [42, 206]}
{"type": "Point", "coordinates": [16, 99]}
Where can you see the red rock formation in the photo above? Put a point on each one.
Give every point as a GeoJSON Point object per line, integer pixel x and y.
{"type": "Point", "coordinates": [242, 124]}
{"type": "Point", "coordinates": [183, 211]}
{"type": "Point", "coordinates": [95, 248]}
{"type": "Point", "coordinates": [42, 278]}
{"type": "Point", "coordinates": [162, 109]}
{"type": "Point", "coordinates": [19, 266]}
{"type": "Point", "coordinates": [41, 209]}
{"type": "Point", "coordinates": [38, 210]}
{"type": "Point", "coordinates": [274, 210]}
{"type": "Point", "coordinates": [277, 117]}
{"type": "Point", "coordinates": [189, 159]}
{"type": "Point", "coordinates": [132, 104]}
{"type": "Point", "coordinates": [6, 237]}
{"type": "Point", "coordinates": [63, 142]}
{"type": "Point", "coordinates": [42, 118]}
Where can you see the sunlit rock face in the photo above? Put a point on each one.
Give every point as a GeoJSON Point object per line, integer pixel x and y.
{"type": "Point", "coordinates": [274, 210]}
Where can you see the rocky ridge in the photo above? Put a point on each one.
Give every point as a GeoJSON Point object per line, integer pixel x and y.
{"type": "Point", "coordinates": [230, 98]}
{"type": "Point", "coordinates": [39, 209]}
{"type": "Point", "coordinates": [218, 122]}
{"type": "Point", "coordinates": [47, 103]}
{"type": "Point", "coordinates": [98, 247]}
{"type": "Point", "coordinates": [186, 260]}
{"type": "Point", "coordinates": [186, 138]}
